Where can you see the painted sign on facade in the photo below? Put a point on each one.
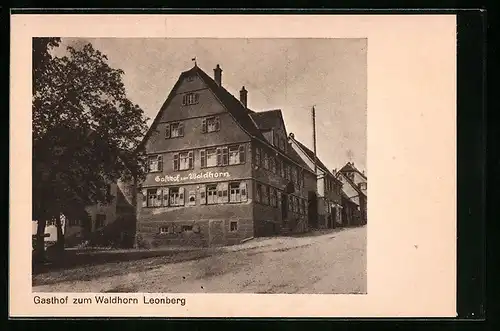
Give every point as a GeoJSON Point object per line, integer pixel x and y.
{"type": "Point", "coordinates": [191, 176]}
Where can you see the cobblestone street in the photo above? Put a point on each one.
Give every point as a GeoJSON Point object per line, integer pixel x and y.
{"type": "Point", "coordinates": [329, 262]}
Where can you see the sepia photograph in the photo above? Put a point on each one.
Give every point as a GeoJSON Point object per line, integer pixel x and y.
{"type": "Point", "coordinates": [214, 166]}
{"type": "Point", "coordinates": [199, 165]}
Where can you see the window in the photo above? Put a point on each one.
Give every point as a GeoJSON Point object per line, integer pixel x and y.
{"type": "Point", "coordinates": [174, 130]}
{"type": "Point", "coordinates": [258, 192]}
{"type": "Point", "coordinates": [217, 193]}
{"type": "Point", "coordinates": [73, 222]}
{"type": "Point", "coordinates": [190, 99]}
{"type": "Point", "coordinates": [163, 229]}
{"type": "Point", "coordinates": [233, 226]}
{"type": "Point", "coordinates": [208, 157]}
{"type": "Point", "coordinates": [265, 194]}
{"type": "Point", "coordinates": [184, 161]}
{"type": "Point", "coordinates": [274, 197]}
{"type": "Point", "coordinates": [236, 154]}
{"type": "Point", "coordinates": [272, 162]}
{"type": "Point", "coordinates": [257, 157]}
{"type": "Point", "coordinates": [287, 172]}
{"type": "Point", "coordinates": [176, 196]}
{"type": "Point", "coordinates": [295, 176]}
{"type": "Point", "coordinates": [190, 78]}
{"type": "Point", "coordinates": [281, 168]}
{"type": "Point", "coordinates": [192, 198]}
{"type": "Point", "coordinates": [155, 163]}
{"type": "Point", "coordinates": [238, 192]}
{"type": "Point", "coordinates": [186, 228]}
{"type": "Point", "coordinates": [99, 220]}
{"type": "Point", "coordinates": [210, 124]}
{"type": "Point", "coordinates": [266, 160]}
{"type": "Point", "coordinates": [301, 175]}
{"type": "Point", "coordinates": [211, 194]}
{"type": "Point", "coordinates": [154, 197]}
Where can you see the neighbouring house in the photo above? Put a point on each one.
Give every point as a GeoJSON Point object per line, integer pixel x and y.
{"type": "Point", "coordinates": [355, 187]}
{"type": "Point", "coordinates": [219, 172]}
{"type": "Point", "coordinates": [329, 188]}
{"type": "Point", "coordinates": [106, 222]}
{"type": "Point", "coordinates": [351, 214]}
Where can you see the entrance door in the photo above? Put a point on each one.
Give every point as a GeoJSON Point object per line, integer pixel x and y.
{"type": "Point", "coordinates": [216, 233]}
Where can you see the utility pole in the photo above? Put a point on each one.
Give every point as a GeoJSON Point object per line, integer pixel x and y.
{"type": "Point", "coordinates": [314, 139]}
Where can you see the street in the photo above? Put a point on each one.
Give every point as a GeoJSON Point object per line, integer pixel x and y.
{"type": "Point", "coordinates": [329, 262]}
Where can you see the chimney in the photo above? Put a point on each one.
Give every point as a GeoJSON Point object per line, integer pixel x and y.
{"type": "Point", "coordinates": [218, 75]}
{"type": "Point", "coordinates": [243, 96]}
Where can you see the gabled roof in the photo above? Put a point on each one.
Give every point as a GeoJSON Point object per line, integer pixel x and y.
{"type": "Point", "coordinates": [310, 155]}
{"type": "Point", "coordinates": [345, 196]}
{"type": "Point", "coordinates": [348, 180]}
{"type": "Point", "coordinates": [242, 115]}
{"type": "Point", "coordinates": [266, 120]}
{"type": "Point", "coordinates": [349, 167]}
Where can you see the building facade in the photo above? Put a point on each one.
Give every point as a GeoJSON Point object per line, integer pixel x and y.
{"type": "Point", "coordinates": [329, 188]}
{"type": "Point", "coordinates": [114, 222]}
{"type": "Point", "coordinates": [218, 172]}
{"type": "Point", "coordinates": [355, 187]}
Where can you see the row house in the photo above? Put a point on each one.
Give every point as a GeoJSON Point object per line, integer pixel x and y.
{"type": "Point", "coordinates": [219, 172]}
{"type": "Point", "coordinates": [354, 185]}
{"type": "Point", "coordinates": [329, 188]}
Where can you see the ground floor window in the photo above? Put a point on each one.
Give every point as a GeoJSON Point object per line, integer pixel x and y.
{"type": "Point", "coordinates": [186, 228]}
{"type": "Point", "coordinates": [99, 220]}
{"type": "Point", "coordinates": [233, 226]}
{"type": "Point", "coordinates": [164, 229]}
{"type": "Point", "coordinates": [238, 192]}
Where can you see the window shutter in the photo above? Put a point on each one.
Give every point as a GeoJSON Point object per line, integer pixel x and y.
{"type": "Point", "coordinates": [158, 197]}
{"type": "Point", "coordinates": [196, 97]}
{"type": "Point", "coordinates": [242, 153]}
{"type": "Point", "coordinates": [165, 197]}
{"type": "Point", "coordinates": [203, 158]}
{"type": "Point", "coordinates": [203, 195]}
{"type": "Point", "coordinates": [243, 191]}
{"type": "Point", "coordinates": [219, 156]}
{"type": "Point", "coordinates": [181, 129]}
{"type": "Point", "coordinates": [160, 163]}
{"type": "Point", "coordinates": [225, 156]}
{"type": "Point", "coordinates": [176, 161]}
{"type": "Point", "coordinates": [181, 196]}
{"type": "Point", "coordinates": [278, 198]}
{"type": "Point", "coordinates": [144, 198]}
{"type": "Point", "coordinates": [217, 123]}
{"type": "Point", "coordinates": [184, 99]}
{"type": "Point", "coordinates": [191, 160]}
{"type": "Point", "coordinates": [167, 131]}
{"type": "Point", "coordinates": [204, 125]}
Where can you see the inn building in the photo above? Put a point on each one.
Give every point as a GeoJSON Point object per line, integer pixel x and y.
{"type": "Point", "coordinates": [219, 172]}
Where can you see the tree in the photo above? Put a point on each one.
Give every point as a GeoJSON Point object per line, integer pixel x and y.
{"type": "Point", "coordinates": [86, 133]}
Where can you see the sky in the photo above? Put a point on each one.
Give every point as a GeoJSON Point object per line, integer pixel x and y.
{"type": "Point", "coordinates": [287, 74]}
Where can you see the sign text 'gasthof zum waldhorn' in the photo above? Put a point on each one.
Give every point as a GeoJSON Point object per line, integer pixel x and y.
{"type": "Point", "coordinates": [191, 176]}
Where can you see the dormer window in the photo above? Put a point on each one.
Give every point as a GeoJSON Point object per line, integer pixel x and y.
{"type": "Point", "coordinates": [190, 99]}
